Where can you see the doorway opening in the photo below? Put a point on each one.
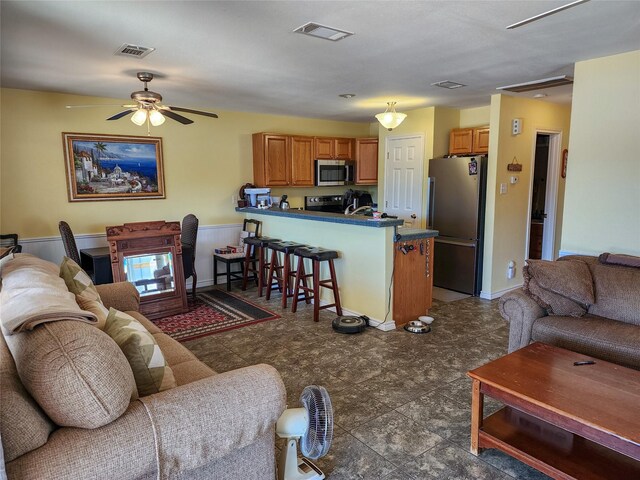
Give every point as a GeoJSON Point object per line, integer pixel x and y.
{"type": "Point", "coordinates": [543, 198]}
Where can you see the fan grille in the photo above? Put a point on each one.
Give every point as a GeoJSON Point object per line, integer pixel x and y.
{"type": "Point", "coordinates": [317, 441]}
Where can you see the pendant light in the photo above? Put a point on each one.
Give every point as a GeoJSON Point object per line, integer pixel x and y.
{"type": "Point", "coordinates": [390, 119]}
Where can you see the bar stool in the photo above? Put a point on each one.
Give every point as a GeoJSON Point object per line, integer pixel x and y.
{"type": "Point", "coordinates": [317, 255]}
{"type": "Point", "coordinates": [260, 244]}
{"type": "Point", "coordinates": [282, 274]}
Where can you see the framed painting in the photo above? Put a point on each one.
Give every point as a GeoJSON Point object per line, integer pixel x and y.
{"type": "Point", "coordinates": [113, 167]}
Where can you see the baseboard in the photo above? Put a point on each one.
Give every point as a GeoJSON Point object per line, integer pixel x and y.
{"type": "Point", "coordinates": [499, 293]}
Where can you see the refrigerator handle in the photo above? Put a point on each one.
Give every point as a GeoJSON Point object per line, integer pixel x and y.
{"type": "Point", "coordinates": [431, 192]}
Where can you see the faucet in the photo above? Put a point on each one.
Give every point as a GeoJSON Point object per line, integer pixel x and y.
{"type": "Point", "coordinates": [364, 207]}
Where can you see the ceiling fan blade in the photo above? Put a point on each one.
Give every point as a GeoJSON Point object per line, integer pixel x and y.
{"type": "Point", "coordinates": [120, 115]}
{"type": "Point", "coordinates": [197, 112]}
{"type": "Point", "coordinates": [176, 117]}
{"type": "Point", "coordinates": [100, 105]}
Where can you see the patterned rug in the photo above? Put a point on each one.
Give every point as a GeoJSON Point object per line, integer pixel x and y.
{"type": "Point", "coordinates": [212, 312]}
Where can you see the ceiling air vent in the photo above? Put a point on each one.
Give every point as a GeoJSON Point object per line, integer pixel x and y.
{"type": "Point", "coordinates": [322, 31]}
{"type": "Point", "coordinates": [448, 84]}
{"type": "Point", "coordinates": [137, 51]}
{"type": "Point", "coordinates": [538, 84]}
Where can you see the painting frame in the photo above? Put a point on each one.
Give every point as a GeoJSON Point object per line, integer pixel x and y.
{"type": "Point", "coordinates": [103, 167]}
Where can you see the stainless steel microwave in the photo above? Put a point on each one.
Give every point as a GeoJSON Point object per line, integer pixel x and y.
{"type": "Point", "coordinates": [335, 172]}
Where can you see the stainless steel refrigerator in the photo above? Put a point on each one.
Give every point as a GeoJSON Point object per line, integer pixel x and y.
{"type": "Point", "coordinates": [456, 205]}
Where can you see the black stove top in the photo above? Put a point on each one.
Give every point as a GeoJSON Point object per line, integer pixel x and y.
{"type": "Point", "coordinates": [324, 203]}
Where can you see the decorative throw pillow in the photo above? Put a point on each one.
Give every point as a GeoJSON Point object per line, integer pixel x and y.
{"type": "Point", "coordinates": [79, 283]}
{"type": "Point", "coordinates": [553, 303]}
{"type": "Point", "coordinates": [571, 279]}
{"type": "Point", "coordinates": [150, 369]}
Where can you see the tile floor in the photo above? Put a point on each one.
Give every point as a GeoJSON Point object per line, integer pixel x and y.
{"type": "Point", "coordinates": [401, 401]}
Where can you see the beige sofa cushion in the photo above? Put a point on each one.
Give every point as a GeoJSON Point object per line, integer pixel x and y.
{"type": "Point", "coordinates": [23, 424]}
{"type": "Point", "coordinates": [563, 288]}
{"type": "Point", "coordinates": [599, 337]}
{"type": "Point", "coordinates": [617, 293]}
{"type": "Point", "coordinates": [150, 369]}
{"type": "Point", "coordinates": [75, 372]}
{"type": "Point", "coordinates": [79, 283]}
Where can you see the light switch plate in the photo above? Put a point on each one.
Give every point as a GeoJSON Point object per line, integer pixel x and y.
{"type": "Point", "coordinates": [516, 126]}
{"type": "Point", "coordinates": [503, 188]}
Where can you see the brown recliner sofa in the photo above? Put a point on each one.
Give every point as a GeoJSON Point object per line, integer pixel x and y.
{"type": "Point", "coordinates": [589, 305]}
{"type": "Point", "coordinates": [208, 426]}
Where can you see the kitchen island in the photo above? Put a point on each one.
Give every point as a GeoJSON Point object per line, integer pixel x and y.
{"type": "Point", "coordinates": [367, 251]}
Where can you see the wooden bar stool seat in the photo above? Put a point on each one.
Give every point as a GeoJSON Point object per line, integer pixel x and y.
{"type": "Point", "coordinates": [260, 245]}
{"type": "Point", "coordinates": [282, 274]}
{"type": "Point", "coordinates": [316, 255]}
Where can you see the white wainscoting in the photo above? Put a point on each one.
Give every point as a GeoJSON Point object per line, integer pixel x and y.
{"type": "Point", "coordinates": [209, 238]}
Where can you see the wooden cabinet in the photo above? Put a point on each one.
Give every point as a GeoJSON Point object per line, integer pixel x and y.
{"type": "Point", "coordinates": [460, 141]}
{"type": "Point", "coordinates": [535, 240]}
{"type": "Point", "coordinates": [481, 140]}
{"type": "Point", "coordinates": [464, 141]}
{"type": "Point", "coordinates": [271, 160]}
{"type": "Point", "coordinates": [327, 148]}
{"type": "Point", "coordinates": [366, 161]}
{"type": "Point", "coordinates": [302, 161]}
{"type": "Point", "coordinates": [413, 282]}
{"type": "Point", "coordinates": [282, 160]}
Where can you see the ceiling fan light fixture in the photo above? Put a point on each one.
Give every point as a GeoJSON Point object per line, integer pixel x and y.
{"type": "Point", "coordinates": [139, 117]}
{"type": "Point", "coordinates": [156, 118]}
{"type": "Point", "coordinates": [390, 119]}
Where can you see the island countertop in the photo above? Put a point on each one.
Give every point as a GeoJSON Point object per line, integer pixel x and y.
{"type": "Point", "coordinates": [324, 217]}
{"type": "Point", "coordinates": [404, 233]}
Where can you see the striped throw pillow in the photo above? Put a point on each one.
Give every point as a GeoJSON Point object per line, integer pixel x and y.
{"type": "Point", "coordinates": [87, 297]}
{"type": "Point", "coordinates": [150, 369]}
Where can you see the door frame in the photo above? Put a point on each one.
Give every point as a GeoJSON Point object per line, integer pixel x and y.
{"type": "Point", "coordinates": [387, 152]}
{"type": "Point", "coordinates": [551, 193]}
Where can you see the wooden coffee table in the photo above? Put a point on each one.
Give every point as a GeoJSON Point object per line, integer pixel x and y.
{"type": "Point", "coordinates": [566, 421]}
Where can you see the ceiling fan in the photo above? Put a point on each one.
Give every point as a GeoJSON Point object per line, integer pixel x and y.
{"type": "Point", "coordinates": [149, 108]}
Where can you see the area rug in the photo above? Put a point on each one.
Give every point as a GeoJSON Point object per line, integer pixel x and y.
{"type": "Point", "coordinates": [213, 311]}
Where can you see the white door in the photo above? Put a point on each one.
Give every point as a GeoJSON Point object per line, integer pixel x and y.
{"type": "Point", "coordinates": [403, 176]}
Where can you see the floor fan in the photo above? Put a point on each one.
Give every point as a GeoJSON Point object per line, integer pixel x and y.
{"type": "Point", "coordinates": [312, 426]}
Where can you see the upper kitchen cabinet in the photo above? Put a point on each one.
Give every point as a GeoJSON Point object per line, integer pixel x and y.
{"type": "Point", "coordinates": [302, 161]}
{"type": "Point", "coordinates": [481, 140]}
{"type": "Point", "coordinates": [271, 160]}
{"type": "Point", "coordinates": [333, 148]}
{"type": "Point", "coordinates": [469, 140]}
{"type": "Point", "coordinates": [366, 161]}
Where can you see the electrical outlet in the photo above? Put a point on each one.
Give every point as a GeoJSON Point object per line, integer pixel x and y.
{"type": "Point", "coordinates": [233, 200]}
{"type": "Point", "coordinates": [503, 188]}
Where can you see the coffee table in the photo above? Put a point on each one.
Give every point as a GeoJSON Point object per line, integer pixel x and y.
{"type": "Point", "coordinates": [566, 421]}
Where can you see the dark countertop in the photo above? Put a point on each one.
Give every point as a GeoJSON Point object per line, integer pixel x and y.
{"type": "Point", "coordinates": [359, 220]}
{"type": "Point", "coordinates": [406, 234]}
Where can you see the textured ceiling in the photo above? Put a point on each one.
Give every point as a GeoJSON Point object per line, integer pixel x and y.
{"type": "Point", "coordinates": [243, 56]}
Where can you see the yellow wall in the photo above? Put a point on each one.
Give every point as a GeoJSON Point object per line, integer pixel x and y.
{"type": "Point", "coordinates": [602, 203]}
{"type": "Point", "coordinates": [475, 117]}
{"type": "Point", "coordinates": [507, 215]}
{"type": "Point", "coordinates": [205, 163]}
{"type": "Point", "coordinates": [445, 120]}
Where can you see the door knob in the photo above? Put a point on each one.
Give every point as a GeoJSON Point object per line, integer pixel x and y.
{"type": "Point", "coordinates": [413, 215]}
